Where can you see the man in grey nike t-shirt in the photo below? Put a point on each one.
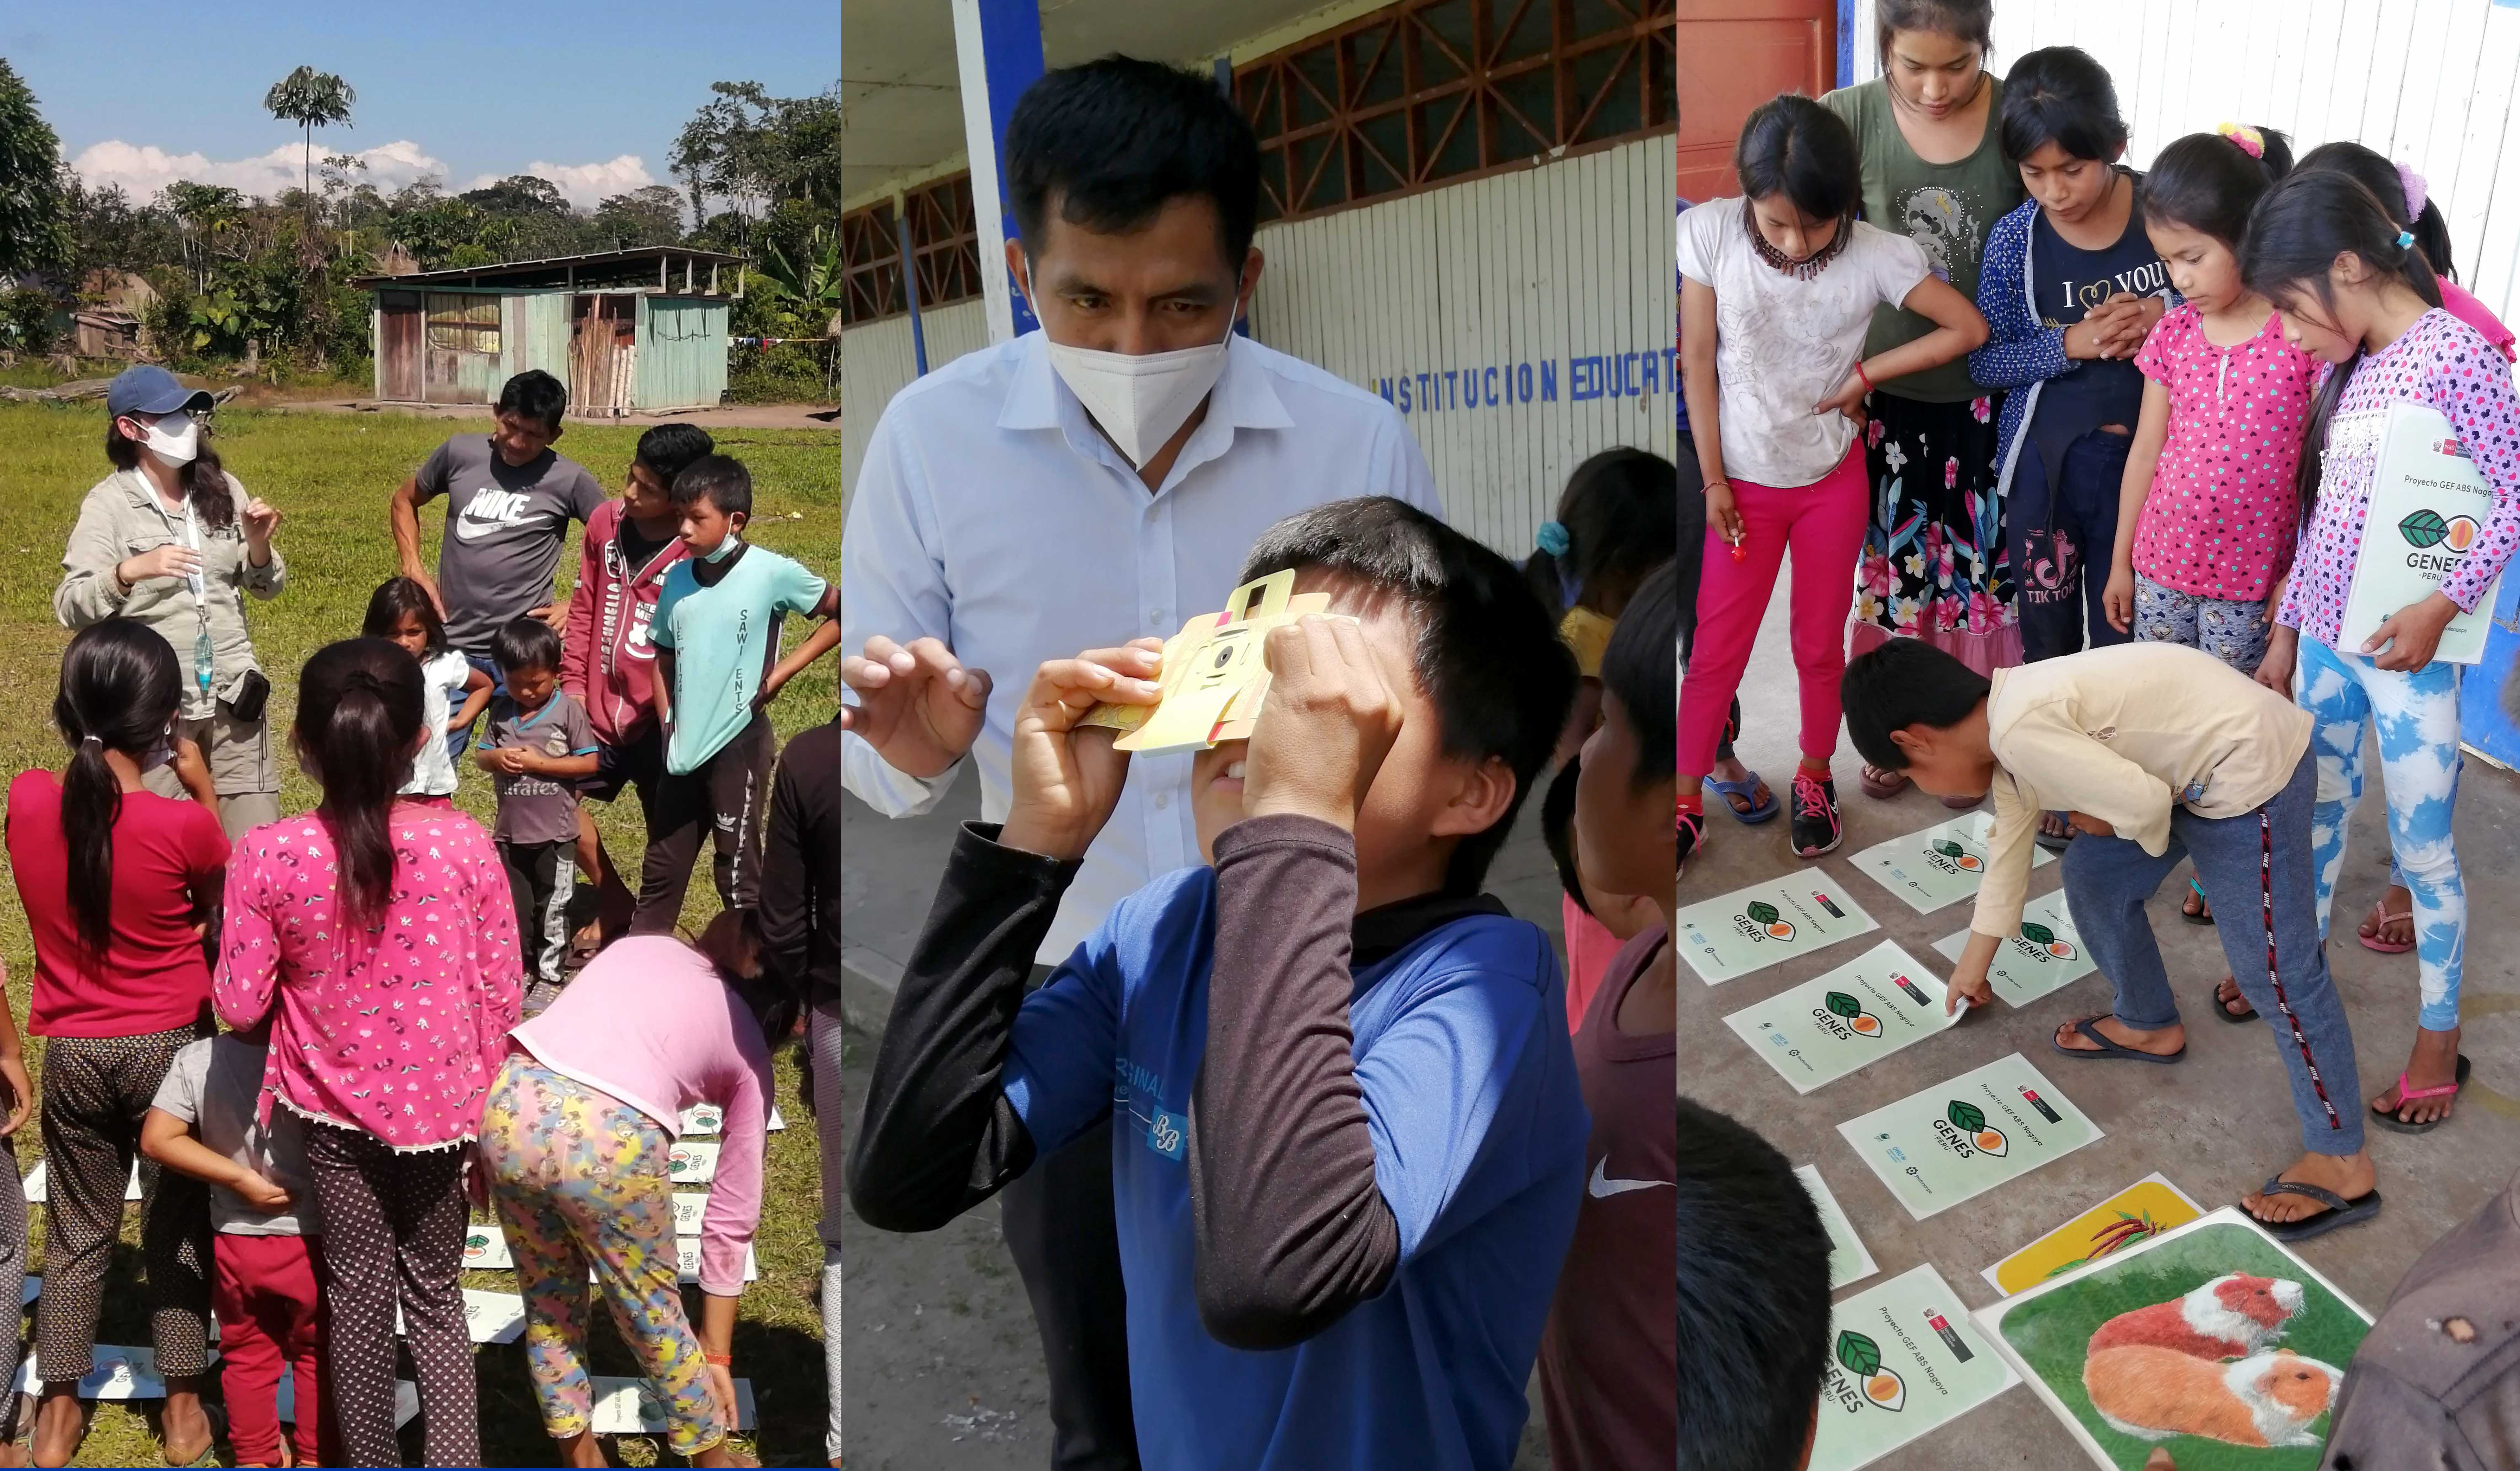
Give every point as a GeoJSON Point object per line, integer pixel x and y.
{"type": "Point", "coordinates": [509, 503]}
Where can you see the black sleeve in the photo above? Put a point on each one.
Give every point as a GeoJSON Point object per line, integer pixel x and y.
{"type": "Point", "coordinates": [785, 906]}
{"type": "Point", "coordinates": [1291, 1230]}
{"type": "Point", "coordinates": [939, 1135]}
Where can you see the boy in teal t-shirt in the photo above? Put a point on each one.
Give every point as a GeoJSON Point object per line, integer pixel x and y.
{"type": "Point", "coordinates": [716, 634]}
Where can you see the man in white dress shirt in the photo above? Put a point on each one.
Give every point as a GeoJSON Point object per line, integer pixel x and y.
{"type": "Point", "coordinates": [1097, 481]}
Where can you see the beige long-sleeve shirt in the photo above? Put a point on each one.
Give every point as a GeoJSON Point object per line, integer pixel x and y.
{"type": "Point", "coordinates": [2126, 735]}
{"type": "Point", "coordinates": [122, 517]}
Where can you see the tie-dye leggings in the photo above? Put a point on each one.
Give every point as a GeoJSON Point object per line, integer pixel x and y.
{"type": "Point", "coordinates": [579, 1177]}
{"type": "Point", "coordinates": [2416, 716]}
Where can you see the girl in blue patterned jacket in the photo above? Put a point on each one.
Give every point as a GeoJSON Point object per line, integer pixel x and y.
{"type": "Point", "coordinates": [2070, 288]}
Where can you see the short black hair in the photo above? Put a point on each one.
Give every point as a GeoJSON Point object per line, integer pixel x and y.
{"type": "Point", "coordinates": [1111, 142]}
{"type": "Point", "coordinates": [1641, 667]}
{"type": "Point", "coordinates": [2058, 94]}
{"type": "Point", "coordinates": [1557, 828]}
{"type": "Point", "coordinates": [1753, 1290]}
{"type": "Point", "coordinates": [2209, 183]}
{"type": "Point", "coordinates": [535, 394]}
{"type": "Point", "coordinates": [669, 449]}
{"type": "Point", "coordinates": [1488, 653]}
{"type": "Point", "coordinates": [1794, 147]}
{"type": "Point", "coordinates": [1906, 682]}
{"type": "Point", "coordinates": [525, 643]}
{"type": "Point", "coordinates": [719, 479]}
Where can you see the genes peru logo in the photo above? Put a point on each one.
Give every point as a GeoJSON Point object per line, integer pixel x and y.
{"type": "Point", "coordinates": [1774, 925]}
{"type": "Point", "coordinates": [1860, 1356]}
{"type": "Point", "coordinates": [1970, 1121]}
{"type": "Point", "coordinates": [1861, 1022]}
{"type": "Point", "coordinates": [1960, 858]}
{"type": "Point", "coordinates": [2426, 529]}
{"type": "Point", "coordinates": [2044, 938]}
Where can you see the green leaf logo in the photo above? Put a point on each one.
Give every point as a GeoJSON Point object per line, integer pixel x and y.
{"type": "Point", "coordinates": [1763, 912]}
{"type": "Point", "coordinates": [1947, 849]}
{"type": "Point", "coordinates": [1965, 1117]}
{"type": "Point", "coordinates": [2423, 529]}
{"type": "Point", "coordinates": [1861, 1355]}
{"type": "Point", "coordinates": [2037, 934]}
{"type": "Point", "coordinates": [1844, 1004]}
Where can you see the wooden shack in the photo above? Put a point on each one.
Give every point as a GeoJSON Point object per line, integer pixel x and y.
{"type": "Point", "coordinates": [641, 331]}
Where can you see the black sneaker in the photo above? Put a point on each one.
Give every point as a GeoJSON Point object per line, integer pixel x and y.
{"type": "Point", "coordinates": [1816, 828]}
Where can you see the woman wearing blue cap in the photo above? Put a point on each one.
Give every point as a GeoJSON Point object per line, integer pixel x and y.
{"type": "Point", "coordinates": [172, 540]}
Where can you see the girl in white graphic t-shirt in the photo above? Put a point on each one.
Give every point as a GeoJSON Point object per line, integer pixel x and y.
{"type": "Point", "coordinates": [453, 692]}
{"type": "Point", "coordinates": [1778, 288]}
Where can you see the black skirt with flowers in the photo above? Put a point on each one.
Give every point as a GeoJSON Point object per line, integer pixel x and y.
{"type": "Point", "coordinates": [1934, 565]}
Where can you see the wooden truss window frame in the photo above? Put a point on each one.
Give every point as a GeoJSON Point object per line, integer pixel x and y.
{"type": "Point", "coordinates": [944, 252]}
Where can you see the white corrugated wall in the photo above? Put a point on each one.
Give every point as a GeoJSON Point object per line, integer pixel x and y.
{"type": "Point", "coordinates": [2427, 82]}
{"type": "Point", "coordinates": [1557, 276]}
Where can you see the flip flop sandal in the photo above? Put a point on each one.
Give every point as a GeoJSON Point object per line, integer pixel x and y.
{"type": "Point", "coordinates": [2386, 946]}
{"type": "Point", "coordinates": [2202, 915]}
{"type": "Point", "coordinates": [2054, 842]}
{"type": "Point", "coordinates": [2226, 1013]}
{"type": "Point", "coordinates": [216, 1416]}
{"type": "Point", "coordinates": [2406, 1096]}
{"type": "Point", "coordinates": [2110, 1051]}
{"type": "Point", "coordinates": [1746, 789]}
{"type": "Point", "coordinates": [1882, 785]}
{"type": "Point", "coordinates": [2340, 1211]}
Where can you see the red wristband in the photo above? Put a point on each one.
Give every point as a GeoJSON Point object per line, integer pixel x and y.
{"type": "Point", "coordinates": [1869, 385]}
{"type": "Point", "coordinates": [717, 1361]}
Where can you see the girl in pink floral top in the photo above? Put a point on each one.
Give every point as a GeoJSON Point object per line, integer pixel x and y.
{"type": "Point", "coordinates": [379, 936]}
{"type": "Point", "coordinates": [2356, 293]}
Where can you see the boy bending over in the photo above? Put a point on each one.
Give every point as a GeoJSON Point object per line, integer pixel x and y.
{"type": "Point", "coordinates": [1351, 1142]}
{"type": "Point", "coordinates": [2159, 753]}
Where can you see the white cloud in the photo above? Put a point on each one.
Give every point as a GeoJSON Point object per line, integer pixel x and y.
{"type": "Point", "coordinates": [142, 170]}
{"type": "Point", "coordinates": [584, 185]}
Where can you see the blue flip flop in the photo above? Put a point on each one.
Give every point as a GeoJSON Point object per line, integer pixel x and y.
{"type": "Point", "coordinates": [2110, 1051]}
{"type": "Point", "coordinates": [1745, 790]}
{"type": "Point", "coordinates": [2340, 1211]}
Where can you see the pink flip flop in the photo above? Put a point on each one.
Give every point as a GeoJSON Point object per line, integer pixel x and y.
{"type": "Point", "coordinates": [2386, 946]}
{"type": "Point", "coordinates": [2406, 1096]}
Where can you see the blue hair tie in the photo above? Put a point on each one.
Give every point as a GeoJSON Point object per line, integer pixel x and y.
{"type": "Point", "coordinates": [2406, 239]}
{"type": "Point", "coordinates": [1553, 539]}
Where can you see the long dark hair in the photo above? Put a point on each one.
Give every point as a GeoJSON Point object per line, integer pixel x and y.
{"type": "Point", "coordinates": [120, 688]}
{"type": "Point", "coordinates": [1637, 667]}
{"type": "Point", "coordinates": [203, 480]}
{"type": "Point", "coordinates": [2058, 94]}
{"type": "Point", "coordinates": [2387, 185]}
{"type": "Point", "coordinates": [359, 714]}
{"type": "Point", "coordinates": [395, 597]}
{"type": "Point", "coordinates": [1620, 511]}
{"type": "Point", "coordinates": [733, 944]}
{"type": "Point", "coordinates": [1971, 21]}
{"type": "Point", "coordinates": [2208, 181]}
{"type": "Point", "coordinates": [2295, 234]}
{"type": "Point", "coordinates": [1794, 147]}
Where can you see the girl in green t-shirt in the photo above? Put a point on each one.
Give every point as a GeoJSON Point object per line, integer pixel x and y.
{"type": "Point", "coordinates": [1934, 565]}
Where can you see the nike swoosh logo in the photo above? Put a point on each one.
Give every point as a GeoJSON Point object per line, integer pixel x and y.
{"type": "Point", "coordinates": [472, 531]}
{"type": "Point", "coordinates": [1602, 1187]}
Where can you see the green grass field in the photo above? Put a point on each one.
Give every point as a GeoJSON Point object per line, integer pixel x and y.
{"type": "Point", "coordinates": [330, 475]}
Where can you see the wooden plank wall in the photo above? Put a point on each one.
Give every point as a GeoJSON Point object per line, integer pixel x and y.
{"type": "Point", "coordinates": [2427, 82]}
{"type": "Point", "coordinates": [1559, 276]}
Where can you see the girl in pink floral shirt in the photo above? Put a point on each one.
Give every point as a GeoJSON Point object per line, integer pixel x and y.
{"type": "Point", "coordinates": [2356, 293]}
{"type": "Point", "coordinates": [379, 936]}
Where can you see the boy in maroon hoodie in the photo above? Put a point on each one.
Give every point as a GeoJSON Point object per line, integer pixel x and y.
{"type": "Point", "coordinates": [608, 665]}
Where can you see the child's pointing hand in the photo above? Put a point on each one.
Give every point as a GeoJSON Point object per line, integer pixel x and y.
{"type": "Point", "coordinates": [1329, 719]}
{"type": "Point", "coordinates": [1067, 780]}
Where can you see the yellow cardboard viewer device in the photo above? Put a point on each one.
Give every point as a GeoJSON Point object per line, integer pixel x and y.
{"type": "Point", "coordinates": [1213, 677]}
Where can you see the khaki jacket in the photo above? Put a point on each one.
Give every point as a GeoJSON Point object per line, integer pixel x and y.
{"type": "Point", "coordinates": [122, 519]}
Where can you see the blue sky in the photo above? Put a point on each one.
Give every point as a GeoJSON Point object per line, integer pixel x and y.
{"type": "Point", "coordinates": [150, 90]}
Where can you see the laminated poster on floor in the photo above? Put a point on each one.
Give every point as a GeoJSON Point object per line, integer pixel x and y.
{"type": "Point", "coordinates": [406, 1401]}
{"type": "Point", "coordinates": [624, 1407]}
{"type": "Point", "coordinates": [2139, 1212]}
{"type": "Point", "coordinates": [37, 1184]}
{"type": "Point", "coordinates": [1943, 1144]}
{"type": "Point", "coordinates": [486, 1248]}
{"type": "Point", "coordinates": [708, 1118]}
{"type": "Point", "coordinates": [1828, 1027]}
{"type": "Point", "coordinates": [693, 1162]}
{"type": "Point", "coordinates": [2045, 954]}
{"type": "Point", "coordinates": [1848, 1260]}
{"type": "Point", "coordinates": [1904, 1360]}
{"type": "Point", "coordinates": [2210, 1342]}
{"type": "Point", "coordinates": [1765, 924]}
{"type": "Point", "coordinates": [1939, 866]}
{"type": "Point", "coordinates": [117, 1371]}
{"type": "Point", "coordinates": [489, 1316]}
{"type": "Point", "coordinates": [690, 1208]}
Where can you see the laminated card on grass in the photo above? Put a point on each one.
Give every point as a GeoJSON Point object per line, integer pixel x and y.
{"type": "Point", "coordinates": [1943, 1144]}
{"type": "Point", "coordinates": [1904, 1360]}
{"type": "Point", "coordinates": [2044, 954]}
{"type": "Point", "coordinates": [1939, 866]}
{"type": "Point", "coordinates": [1734, 934]}
{"type": "Point", "coordinates": [1825, 1027]}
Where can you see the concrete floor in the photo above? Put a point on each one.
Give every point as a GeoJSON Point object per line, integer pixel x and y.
{"type": "Point", "coordinates": [2217, 1125]}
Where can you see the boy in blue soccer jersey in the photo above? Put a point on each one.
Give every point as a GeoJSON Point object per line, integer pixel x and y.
{"type": "Point", "coordinates": [1351, 1140]}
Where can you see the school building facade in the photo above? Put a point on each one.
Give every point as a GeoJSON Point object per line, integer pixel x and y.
{"type": "Point", "coordinates": [1467, 209]}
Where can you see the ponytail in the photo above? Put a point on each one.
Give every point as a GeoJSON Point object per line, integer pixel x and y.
{"type": "Point", "coordinates": [121, 687]}
{"type": "Point", "coordinates": [2295, 234]}
{"type": "Point", "coordinates": [359, 717]}
{"type": "Point", "coordinates": [2208, 181]}
{"type": "Point", "coordinates": [1618, 520]}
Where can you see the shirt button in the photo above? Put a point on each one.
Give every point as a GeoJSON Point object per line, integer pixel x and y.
{"type": "Point", "coordinates": [1154, 615]}
{"type": "Point", "coordinates": [1163, 800]}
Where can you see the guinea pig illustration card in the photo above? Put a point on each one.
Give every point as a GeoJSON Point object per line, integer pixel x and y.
{"type": "Point", "coordinates": [2210, 1342]}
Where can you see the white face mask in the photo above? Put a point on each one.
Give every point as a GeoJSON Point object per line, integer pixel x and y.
{"type": "Point", "coordinates": [160, 754]}
{"type": "Point", "coordinates": [175, 439]}
{"type": "Point", "coordinates": [1141, 400]}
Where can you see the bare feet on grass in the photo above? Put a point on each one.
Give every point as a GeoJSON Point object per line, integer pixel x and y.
{"type": "Point", "coordinates": [2349, 1175]}
{"type": "Point", "coordinates": [2434, 1063]}
{"type": "Point", "coordinates": [61, 1423]}
{"type": "Point", "coordinates": [183, 1426]}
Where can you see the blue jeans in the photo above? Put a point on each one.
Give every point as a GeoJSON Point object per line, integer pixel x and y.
{"type": "Point", "coordinates": [2246, 865]}
{"type": "Point", "coordinates": [2416, 717]}
{"type": "Point", "coordinates": [461, 741]}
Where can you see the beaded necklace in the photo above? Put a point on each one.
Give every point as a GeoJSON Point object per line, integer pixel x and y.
{"type": "Point", "coordinates": [1805, 269]}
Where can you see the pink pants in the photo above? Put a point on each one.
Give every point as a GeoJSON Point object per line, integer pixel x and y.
{"type": "Point", "coordinates": [1823, 523]}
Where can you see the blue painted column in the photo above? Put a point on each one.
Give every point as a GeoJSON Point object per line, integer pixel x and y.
{"type": "Point", "coordinates": [1846, 43]}
{"type": "Point", "coordinates": [997, 49]}
{"type": "Point", "coordinates": [909, 288]}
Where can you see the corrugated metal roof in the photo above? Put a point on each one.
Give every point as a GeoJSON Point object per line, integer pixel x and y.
{"type": "Point", "coordinates": [523, 272]}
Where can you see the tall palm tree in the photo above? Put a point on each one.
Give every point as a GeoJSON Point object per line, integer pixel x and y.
{"type": "Point", "coordinates": [312, 100]}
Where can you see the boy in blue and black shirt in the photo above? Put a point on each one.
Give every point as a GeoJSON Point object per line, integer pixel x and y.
{"type": "Point", "coordinates": [1351, 1140]}
{"type": "Point", "coordinates": [541, 746]}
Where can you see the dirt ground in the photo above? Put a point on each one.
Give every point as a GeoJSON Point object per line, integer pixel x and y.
{"type": "Point", "coordinates": [728, 416]}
